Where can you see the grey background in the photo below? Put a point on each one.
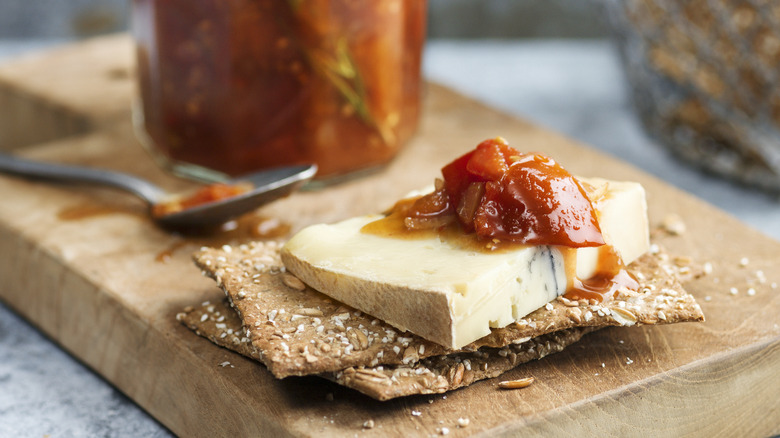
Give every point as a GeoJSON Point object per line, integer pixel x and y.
{"type": "Point", "coordinates": [448, 18]}
{"type": "Point", "coordinates": [61, 18]}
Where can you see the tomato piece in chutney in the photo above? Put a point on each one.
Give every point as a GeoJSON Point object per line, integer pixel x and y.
{"type": "Point", "coordinates": [499, 193]}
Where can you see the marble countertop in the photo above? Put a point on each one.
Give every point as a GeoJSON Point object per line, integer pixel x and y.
{"type": "Point", "coordinates": [574, 87]}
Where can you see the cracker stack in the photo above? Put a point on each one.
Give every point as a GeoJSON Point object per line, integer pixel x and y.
{"type": "Point", "coordinates": [271, 316]}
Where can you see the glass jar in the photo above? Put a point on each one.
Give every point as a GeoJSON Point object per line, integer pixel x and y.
{"type": "Point", "coordinates": [235, 86]}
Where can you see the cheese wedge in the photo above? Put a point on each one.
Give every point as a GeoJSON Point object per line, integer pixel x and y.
{"type": "Point", "coordinates": [449, 294]}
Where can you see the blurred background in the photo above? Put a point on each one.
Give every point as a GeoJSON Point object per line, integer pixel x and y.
{"type": "Point", "coordinates": [559, 67]}
{"type": "Point", "coordinates": [552, 43]}
{"type": "Point", "coordinates": [42, 19]}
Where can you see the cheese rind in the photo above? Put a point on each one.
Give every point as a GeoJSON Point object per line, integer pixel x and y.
{"type": "Point", "coordinates": [445, 293]}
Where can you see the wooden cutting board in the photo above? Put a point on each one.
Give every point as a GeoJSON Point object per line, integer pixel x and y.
{"type": "Point", "coordinates": [91, 271]}
{"type": "Point", "coordinates": [67, 91]}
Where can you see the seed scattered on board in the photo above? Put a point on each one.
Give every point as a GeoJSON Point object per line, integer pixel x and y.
{"type": "Point", "coordinates": [516, 384]}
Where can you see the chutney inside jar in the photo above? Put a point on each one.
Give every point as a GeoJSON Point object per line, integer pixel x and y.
{"type": "Point", "coordinates": [237, 85]}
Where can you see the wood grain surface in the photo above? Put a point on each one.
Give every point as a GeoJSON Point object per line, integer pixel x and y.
{"type": "Point", "coordinates": [85, 265]}
{"type": "Point", "coordinates": [66, 91]}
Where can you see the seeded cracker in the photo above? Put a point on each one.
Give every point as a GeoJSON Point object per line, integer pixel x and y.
{"type": "Point", "coordinates": [432, 375]}
{"type": "Point", "coordinates": [296, 331]}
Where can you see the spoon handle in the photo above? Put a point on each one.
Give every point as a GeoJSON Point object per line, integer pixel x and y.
{"type": "Point", "coordinates": [75, 174]}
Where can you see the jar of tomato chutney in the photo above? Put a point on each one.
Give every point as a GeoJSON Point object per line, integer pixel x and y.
{"type": "Point", "coordinates": [229, 87]}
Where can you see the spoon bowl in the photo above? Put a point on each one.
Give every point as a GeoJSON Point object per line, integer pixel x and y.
{"type": "Point", "coordinates": [265, 186]}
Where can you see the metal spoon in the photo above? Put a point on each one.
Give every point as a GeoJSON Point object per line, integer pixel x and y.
{"type": "Point", "coordinates": [267, 186]}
